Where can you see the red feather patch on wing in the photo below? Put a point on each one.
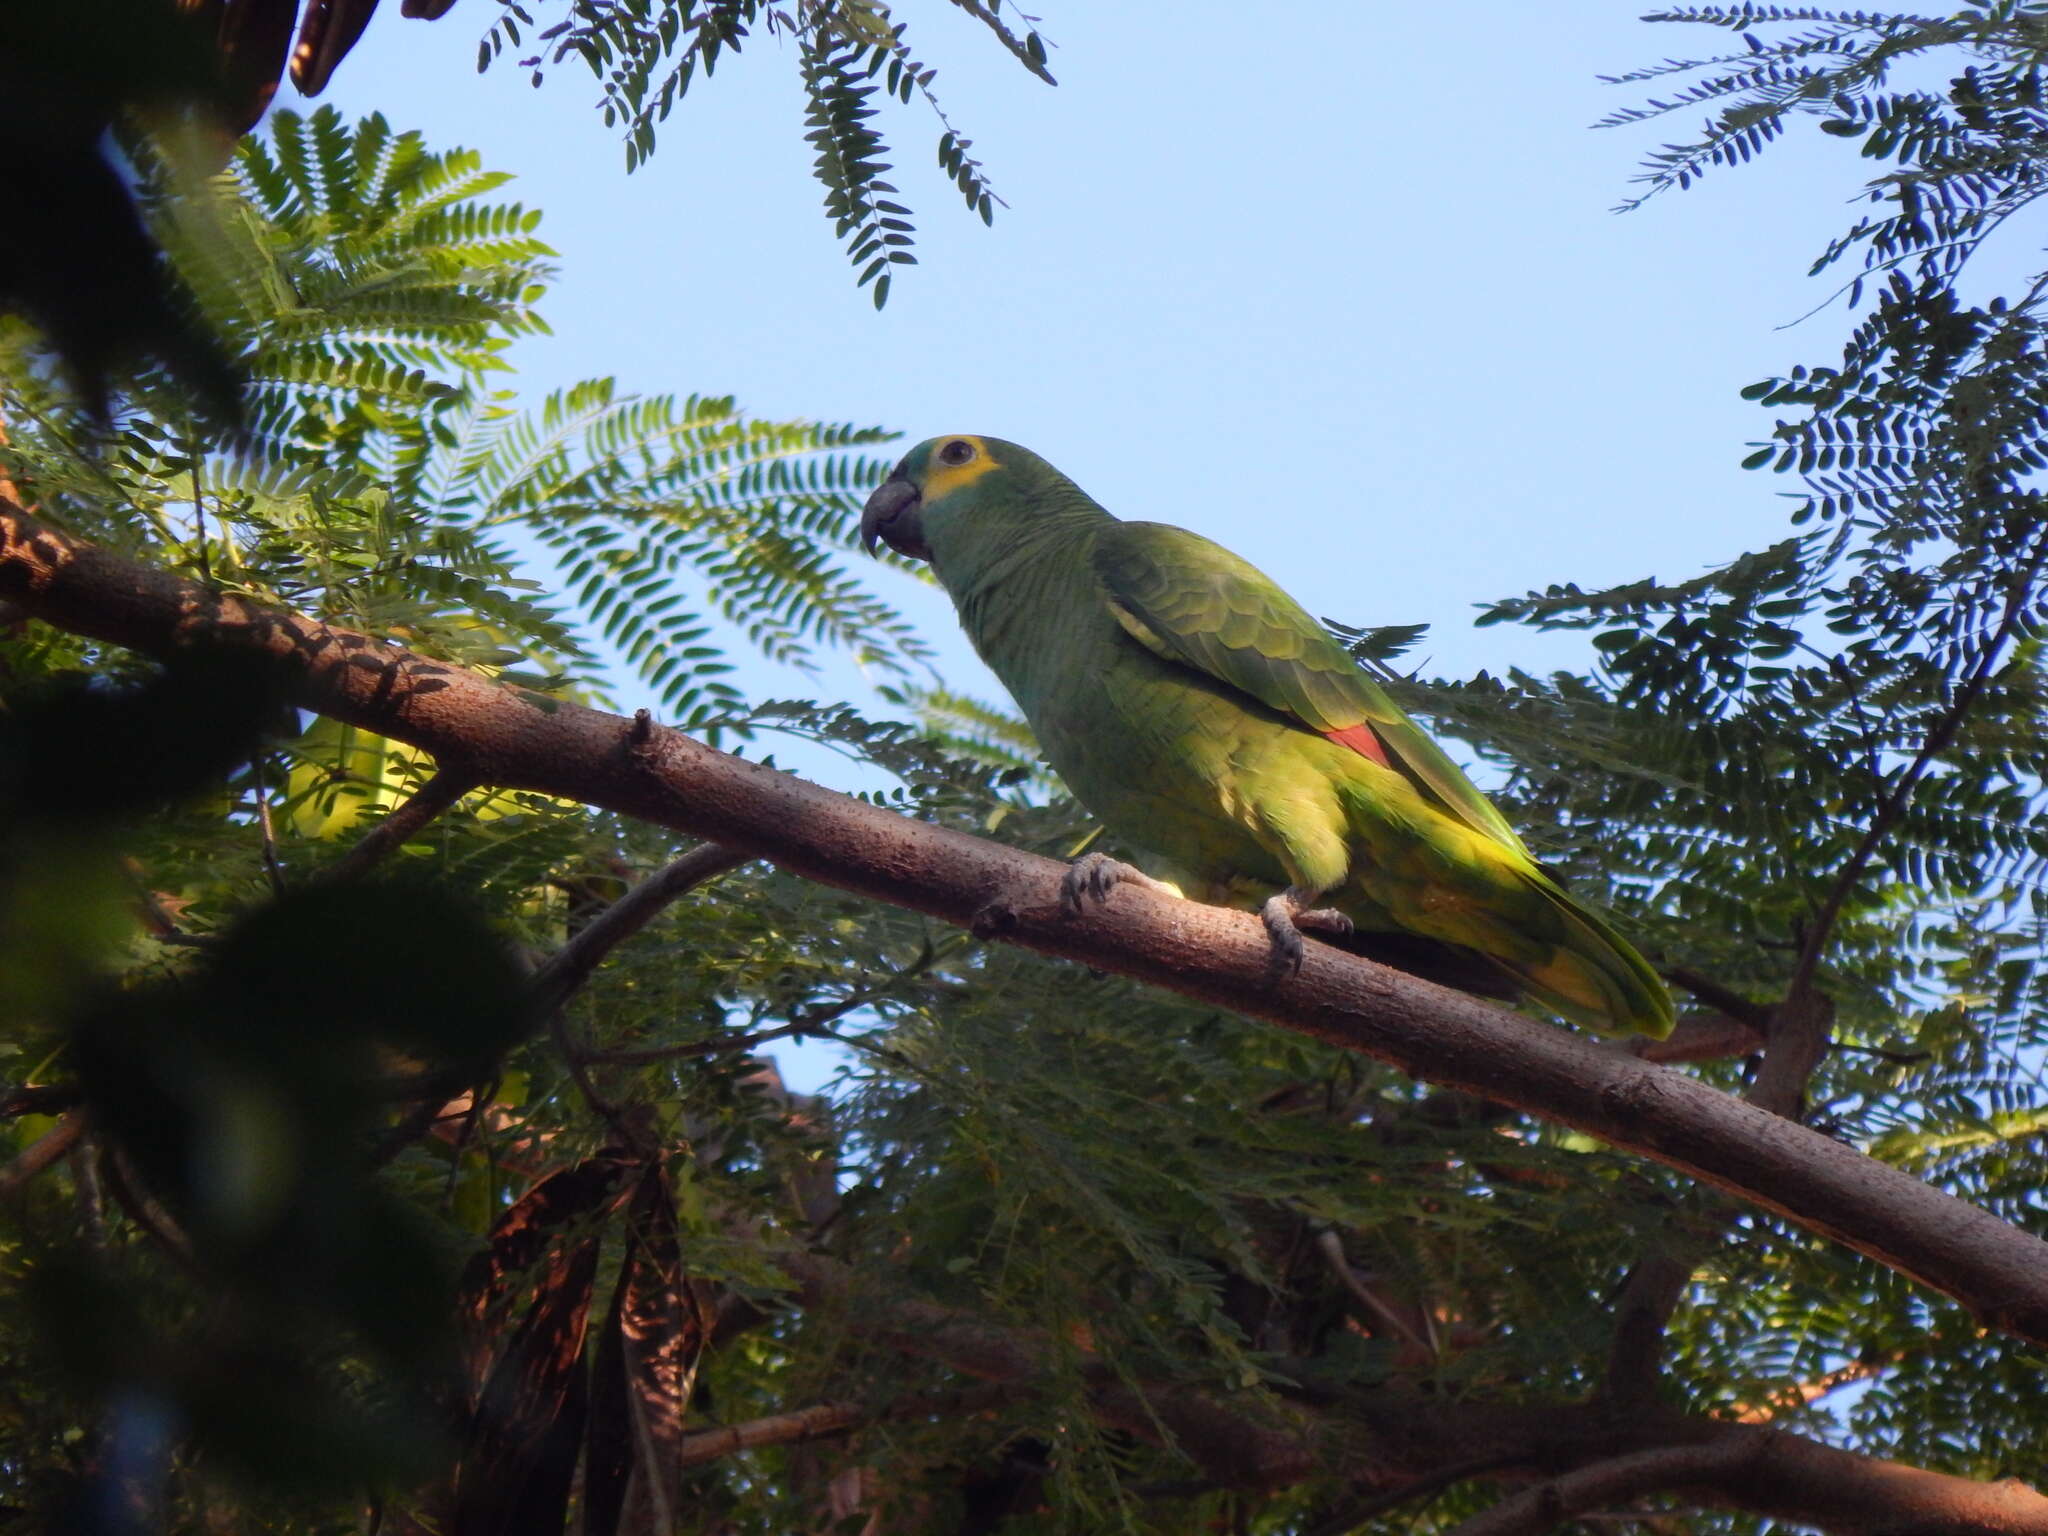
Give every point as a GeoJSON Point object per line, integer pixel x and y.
{"type": "Point", "coordinates": [1360, 739]}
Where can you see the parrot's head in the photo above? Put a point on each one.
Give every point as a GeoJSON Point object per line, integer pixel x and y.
{"type": "Point", "coordinates": [950, 484]}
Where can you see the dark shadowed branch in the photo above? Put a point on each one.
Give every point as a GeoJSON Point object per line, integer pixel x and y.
{"type": "Point", "coordinates": [571, 965]}
{"type": "Point", "coordinates": [824, 1419]}
{"type": "Point", "coordinates": [1590, 1456]}
{"type": "Point", "coordinates": [574, 963]}
{"type": "Point", "coordinates": [39, 1154]}
{"type": "Point", "coordinates": [432, 798]}
{"type": "Point", "coordinates": [38, 1099]}
{"type": "Point", "coordinates": [811, 1021]}
{"type": "Point", "coordinates": [1351, 1513]}
{"type": "Point", "coordinates": [1774, 1473]}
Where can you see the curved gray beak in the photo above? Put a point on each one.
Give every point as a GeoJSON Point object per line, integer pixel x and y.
{"type": "Point", "coordinates": [891, 517]}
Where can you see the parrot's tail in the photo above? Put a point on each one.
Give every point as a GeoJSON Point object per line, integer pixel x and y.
{"type": "Point", "coordinates": [1592, 975]}
{"type": "Point", "coordinates": [1442, 879]}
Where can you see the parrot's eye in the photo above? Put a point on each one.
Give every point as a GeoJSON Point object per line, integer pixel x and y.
{"type": "Point", "coordinates": [956, 452]}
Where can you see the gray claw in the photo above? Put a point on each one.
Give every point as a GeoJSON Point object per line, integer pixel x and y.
{"type": "Point", "coordinates": [1091, 878]}
{"type": "Point", "coordinates": [1286, 915]}
{"type": "Point", "coordinates": [1326, 920]}
{"type": "Point", "coordinates": [1278, 916]}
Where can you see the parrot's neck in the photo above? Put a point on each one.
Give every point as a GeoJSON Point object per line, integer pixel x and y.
{"type": "Point", "coordinates": [1008, 592]}
{"type": "Point", "coordinates": [976, 569]}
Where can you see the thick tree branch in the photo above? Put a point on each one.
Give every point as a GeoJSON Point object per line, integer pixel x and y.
{"type": "Point", "coordinates": [1770, 1472]}
{"type": "Point", "coordinates": [1699, 1037]}
{"type": "Point", "coordinates": [520, 740]}
{"type": "Point", "coordinates": [1655, 1285]}
{"type": "Point", "coordinates": [1802, 1029]}
{"type": "Point", "coordinates": [1604, 1484]}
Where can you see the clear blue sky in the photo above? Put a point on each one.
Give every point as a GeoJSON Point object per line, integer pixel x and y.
{"type": "Point", "coordinates": [1343, 293]}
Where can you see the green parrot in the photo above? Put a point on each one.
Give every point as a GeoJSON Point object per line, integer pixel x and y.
{"type": "Point", "coordinates": [1208, 721]}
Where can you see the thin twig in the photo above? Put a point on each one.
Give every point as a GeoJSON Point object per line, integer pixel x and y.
{"type": "Point", "coordinates": [572, 1054]}
{"type": "Point", "coordinates": [1802, 1394]}
{"type": "Point", "coordinates": [272, 866]}
{"type": "Point", "coordinates": [1897, 1058]}
{"type": "Point", "coordinates": [1331, 1247]}
{"type": "Point", "coordinates": [811, 1022]}
{"type": "Point", "coordinates": [41, 1153]}
{"type": "Point", "coordinates": [199, 512]}
{"type": "Point", "coordinates": [156, 917]}
{"type": "Point", "coordinates": [430, 800]}
{"type": "Point", "coordinates": [986, 15]}
{"type": "Point", "coordinates": [479, 1100]}
{"type": "Point", "coordinates": [429, 1112]}
{"type": "Point", "coordinates": [718, 1045]}
{"type": "Point", "coordinates": [571, 965]}
{"type": "Point", "coordinates": [824, 1419]}
{"type": "Point", "coordinates": [801, 1424]}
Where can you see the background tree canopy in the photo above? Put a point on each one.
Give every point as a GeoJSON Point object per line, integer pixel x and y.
{"type": "Point", "coordinates": [397, 1142]}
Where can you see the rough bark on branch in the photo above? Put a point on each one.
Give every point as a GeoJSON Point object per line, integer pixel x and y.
{"type": "Point", "coordinates": [1772, 1473]}
{"type": "Point", "coordinates": [515, 739]}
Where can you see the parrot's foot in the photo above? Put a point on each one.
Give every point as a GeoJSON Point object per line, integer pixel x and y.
{"type": "Point", "coordinates": [1093, 876]}
{"type": "Point", "coordinates": [1287, 914]}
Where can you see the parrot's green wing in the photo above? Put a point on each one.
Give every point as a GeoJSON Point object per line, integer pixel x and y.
{"type": "Point", "coordinates": [1192, 601]}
